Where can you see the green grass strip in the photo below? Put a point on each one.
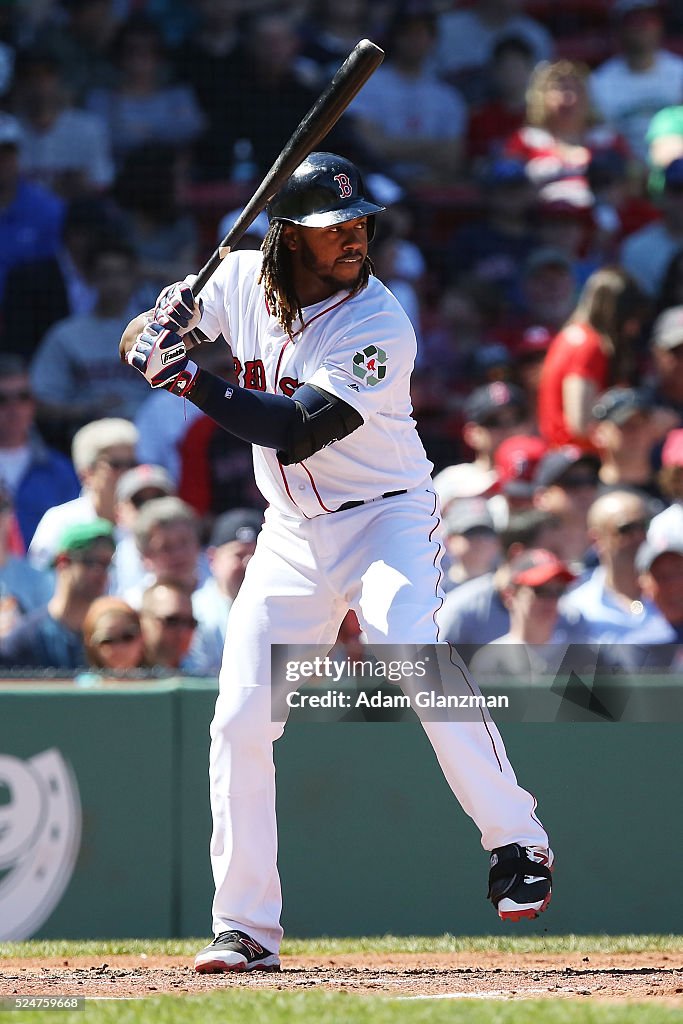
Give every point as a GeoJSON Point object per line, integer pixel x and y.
{"type": "Point", "coordinates": [236, 1007]}
{"type": "Point", "coordinates": [386, 944]}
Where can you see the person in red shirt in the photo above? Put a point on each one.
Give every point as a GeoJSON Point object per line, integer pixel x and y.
{"type": "Point", "coordinates": [512, 62]}
{"type": "Point", "coordinates": [596, 348]}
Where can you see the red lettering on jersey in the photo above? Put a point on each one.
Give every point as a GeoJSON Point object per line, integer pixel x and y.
{"type": "Point", "coordinates": [288, 386]}
{"type": "Point", "coordinates": [345, 186]}
{"type": "Point", "coordinates": [237, 366]}
{"type": "Point", "coordinates": [254, 375]}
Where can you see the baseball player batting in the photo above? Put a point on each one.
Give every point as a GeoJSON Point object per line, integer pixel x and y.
{"type": "Point", "coordinates": [323, 354]}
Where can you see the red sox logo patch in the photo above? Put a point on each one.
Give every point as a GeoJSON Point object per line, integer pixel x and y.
{"type": "Point", "coordinates": [345, 186]}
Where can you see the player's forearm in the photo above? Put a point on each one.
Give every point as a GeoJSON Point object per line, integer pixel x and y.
{"type": "Point", "coordinates": [254, 416]}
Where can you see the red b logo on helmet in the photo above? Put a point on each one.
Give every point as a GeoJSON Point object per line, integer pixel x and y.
{"type": "Point", "coordinates": [345, 187]}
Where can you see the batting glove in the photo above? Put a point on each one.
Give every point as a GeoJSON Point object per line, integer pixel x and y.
{"type": "Point", "coordinates": [160, 356]}
{"type": "Point", "coordinates": [176, 307]}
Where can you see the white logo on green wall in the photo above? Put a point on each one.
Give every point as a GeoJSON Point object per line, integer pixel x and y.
{"type": "Point", "coordinates": [369, 365]}
{"type": "Point", "coordinates": [40, 836]}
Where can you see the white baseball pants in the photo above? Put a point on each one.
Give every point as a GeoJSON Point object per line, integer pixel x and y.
{"type": "Point", "coordinates": [381, 559]}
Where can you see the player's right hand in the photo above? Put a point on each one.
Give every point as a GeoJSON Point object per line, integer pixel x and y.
{"type": "Point", "coordinates": [176, 307]}
{"type": "Point", "coordinates": [159, 355]}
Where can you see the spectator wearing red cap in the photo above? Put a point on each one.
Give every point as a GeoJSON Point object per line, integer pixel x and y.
{"type": "Point", "coordinates": [515, 462]}
{"type": "Point", "coordinates": [595, 349]}
{"type": "Point", "coordinates": [536, 641]}
{"type": "Point", "coordinates": [529, 355]}
{"type": "Point", "coordinates": [669, 523]}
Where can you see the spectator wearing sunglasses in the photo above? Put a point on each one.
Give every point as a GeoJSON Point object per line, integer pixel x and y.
{"type": "Point", "coordinates": [535, 643]}
{"type": "Point", "coordinates": [611, 600]}
{"type": "Point", "coordinates": [135, 488]}
{"type": "Point", "coordinates": [168, 624]}
{"type": "Point", "coordinates": [52, 637]}
{"type": "Point", "coordinates": [566, 485]}
{"type": "Point", "coordinates": [36, 476]}
{"type": "Point", "coordinates": [102, 452]}
{"type": "Point", "coordinates": [112, 636]}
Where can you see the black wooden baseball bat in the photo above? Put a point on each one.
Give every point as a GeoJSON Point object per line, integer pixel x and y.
{"type": "Point", "coordinates": [323, 115]}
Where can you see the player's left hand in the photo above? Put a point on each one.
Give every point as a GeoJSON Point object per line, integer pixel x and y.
{"type": "Point", "coordinates": [159, 354]}
{"type": "Point", "coordinates": [176, 307]}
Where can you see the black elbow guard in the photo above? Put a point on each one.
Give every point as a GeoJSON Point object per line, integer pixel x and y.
{"type": "Point", "coordinates": [321, 419]}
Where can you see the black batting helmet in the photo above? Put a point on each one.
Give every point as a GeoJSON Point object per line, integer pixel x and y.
{"type": "Point", "coordinates": [325, 189]}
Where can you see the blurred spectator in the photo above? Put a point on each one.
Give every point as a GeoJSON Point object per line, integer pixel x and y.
{"type": "Point", "coordinates": [669, 523]}
{"type": "Point", "coordinates": [529, 355]}
{"type": "Point", "coordinates": [475, 613]}
{"type": "Point", "coordinates": [660, 568]}
{"type": "Point", "coordinates": [472, 545]}
{"type": "Point", "coordinates": [671, 290]}
{"type": "Point", "coordinates": [43, 291]}
{"type": "Point", "coordinates": [163, 236]}
{"type": "Point", "coordinates": [495, 246]}
{"type": "Point", "coordinates": [624, 433]}
{"type": "Point", "coordinates": [529, 651]}
{"type": "Point", "coordinates": [465, 480]}
{"type": "Point", "coordinates": [491, 123]}
{"type": "Point", "coordinates": [65, 149]}
{"type": "Point", "coordinates": [515, 463]}
{"type": "Point", "coordinates": [143, 107]}
{"type": "Point", "coordinates": [564, 222]}
{"type": "Point", "coordinates": [631, 87]}
{"type": "Point", "coordinates": [331, 30]}
{"type": "Point", "coordinates": [168, 624]}
{"type": "Point", "coordinates": [101, 452]}
{"type": "Point", "coordinates": [167, 536]}
{"type": "Point", "coordinates": [51, 637]}
{"type": "Point", "coordinates": [595, 349]}
{"type": "Point", "coordinates": [665, 144]}
{"type": "Point", "coordinates": [610, 600]}
{"type": "Point", "coordinates": [30, 216]}
{"type": "Point", "coordinates": [76, 373]}
{"type": "Point", "coordinates": [135, 488]}
{"type": "Point", "coordinates": [548, 290]}
{"type": "Point", "coordinates": [232, 544]}
{"type": "Point", "coordinates": [492, 413]}
{"type": "Point", "coordinates": [22, 588]}
{"type": "Point", "coordinates": [666, 345]}
{"type": "Point", "coordinates": [559, 137]}
{"type": "Point", "coordinates": [647, 253]}
{"type": "Point", "coordinates": [81, 41]}
{"type": "Point", "coordinates": [112, 636]}
{"type": "Point", "coordinates": [407, 119]}
{"type": "Point", "coordinates": [35, 476]}
{"type": "Point", "coordinates": [466, 37]}
{"type": "Point", "coordinates": [566, 485]}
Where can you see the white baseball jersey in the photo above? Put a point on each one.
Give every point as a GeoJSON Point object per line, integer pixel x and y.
{"type": "Point", "coordinates": [361, 349]}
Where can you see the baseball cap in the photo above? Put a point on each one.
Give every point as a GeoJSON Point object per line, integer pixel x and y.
{"type": "Point", "coordinates": [463, 481]}
{"type": "Point", "coordinates": [515, 461]}
{"type": "Point", "coordinates": [622, 7]}
{"type": "Point", "coordinates": [667, 331]}
{"type": "Point", "coordinates": [555, 464]}
{"type": "Point", "coordinates": [537, 566]}
{"type": "Point", "coordinates": [243, 524]}
{"type": "Point", "coordinates": [82, 535]}
{"type": "Point", "coordinates": [487, 400]}
{"type": "Point", "coordinates": [672, 451]}
{"type": "Point", "coordinates": [468, 514]}
{"type": "Point", "coordinates": [546, 256]}
{"type": "Point", "coordinates": [10, 131]}
{"type": "Point", "coordinates": [619, 404]}
{"type": "Point", "coordinates": [141, 478]}
{"type": "Point", "coordinates": [570, 197]}
{"type": "Point", "coordinates": [673, 174]}
{"type": "Point", "coordinates": [649, 551]}
{"type": "Point", "coordinates": [534, 340]}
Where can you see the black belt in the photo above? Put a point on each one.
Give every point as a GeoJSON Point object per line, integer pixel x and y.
{"type": "Point", "coordinates": [354, 504]}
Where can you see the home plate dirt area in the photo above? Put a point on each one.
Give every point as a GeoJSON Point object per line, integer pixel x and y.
{"type": "Point", "coordinates": [613, 976]}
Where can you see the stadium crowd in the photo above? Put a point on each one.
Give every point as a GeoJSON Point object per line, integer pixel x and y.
{"type": "Point", "coordinates": [531, 160]}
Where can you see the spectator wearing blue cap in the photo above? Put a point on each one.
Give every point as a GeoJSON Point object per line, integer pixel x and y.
{"type": "Point", "coordinates": [647, 253]}
{"type": "Point", "coordinates": [626, 428]}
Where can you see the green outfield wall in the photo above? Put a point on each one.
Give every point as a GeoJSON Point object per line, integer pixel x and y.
{"type": "Point", "coordinates": [105, 824]}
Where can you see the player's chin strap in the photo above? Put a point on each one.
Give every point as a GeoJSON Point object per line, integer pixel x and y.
{"type": "Point", "coordinates": [296, 428]}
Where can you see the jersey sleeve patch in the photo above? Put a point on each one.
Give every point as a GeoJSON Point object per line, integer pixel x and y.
{"type": "Point", "coordinates": [370, 365]}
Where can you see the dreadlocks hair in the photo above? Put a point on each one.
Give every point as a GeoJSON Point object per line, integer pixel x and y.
{"type": "Point", "coordinates": [276, 277]}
